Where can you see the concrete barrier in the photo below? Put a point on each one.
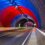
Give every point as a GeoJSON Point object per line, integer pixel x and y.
{"type": "Point", "coordinates": [40, 37]}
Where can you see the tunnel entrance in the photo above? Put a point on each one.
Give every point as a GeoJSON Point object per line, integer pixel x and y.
{"type": "Point", "coordinates": [25, 22]}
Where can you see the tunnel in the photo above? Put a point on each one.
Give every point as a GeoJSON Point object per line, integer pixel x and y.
{"type": "Point", "coordinates": [20, 22]}
{"type": "Point", "coordinates": [9, 12]}
{"type": "Point", "coordinates": [23, 21]}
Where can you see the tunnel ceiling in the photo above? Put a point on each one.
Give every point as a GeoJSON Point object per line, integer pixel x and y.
{"type": "Point", "coordinates": [11, 8]}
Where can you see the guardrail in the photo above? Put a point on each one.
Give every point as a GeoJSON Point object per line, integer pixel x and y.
{"type": "Point", "coordinates": [40, 37]}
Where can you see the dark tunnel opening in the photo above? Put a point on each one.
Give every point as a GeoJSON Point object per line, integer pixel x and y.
{"type": "Point", "coordinates": [22, 22]}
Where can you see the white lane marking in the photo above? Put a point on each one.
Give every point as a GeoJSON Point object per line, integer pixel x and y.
{"type": "Point", "coordinates": [26, 39]}
{"type": "Point", "coordinates": [32, 39]}
{"type": "Point", "coordinates": [41, 31]}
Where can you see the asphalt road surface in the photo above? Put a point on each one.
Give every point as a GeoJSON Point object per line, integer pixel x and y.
{"type": "Point", "coordinates": [13, 38]}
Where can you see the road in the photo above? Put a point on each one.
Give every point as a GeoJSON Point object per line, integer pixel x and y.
{"type": "Point", "coordinates": [13, 38]}
{"type": "Point", "coordinates": [22, 37]}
